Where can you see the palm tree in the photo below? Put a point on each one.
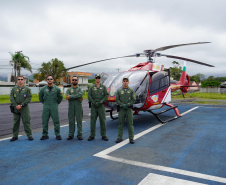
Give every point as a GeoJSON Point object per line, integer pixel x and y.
{"type": "Point", "coordinates": [18, 61]}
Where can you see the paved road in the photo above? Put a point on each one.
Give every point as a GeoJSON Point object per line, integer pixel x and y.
{"type": "Point", "coordinates": [6, 117]}
{"type": "Point", "coordinates": [189, 150]}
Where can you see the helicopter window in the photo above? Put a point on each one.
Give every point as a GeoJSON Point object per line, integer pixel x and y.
{"type": "Point", "coordinates": [104, 76]}
{"type": "Point", "coordinates": [160, 80]}
{"type": "Point", "coordinates": [110, 79]}
{"type": "Point", "coordinates": [114, 82]}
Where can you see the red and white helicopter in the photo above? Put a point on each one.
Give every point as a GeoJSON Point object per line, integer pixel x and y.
{"type": "Point", "coordinates": [150, 81]}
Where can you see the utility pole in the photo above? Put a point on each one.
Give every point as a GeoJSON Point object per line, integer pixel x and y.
{"type": "Point", "coordinates": [118, 69]}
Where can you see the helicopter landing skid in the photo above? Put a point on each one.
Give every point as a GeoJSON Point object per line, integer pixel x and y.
{"type": "Point", "coordinates": [171, 107]}
{"type": "Point", "coordinates": [111, 115]}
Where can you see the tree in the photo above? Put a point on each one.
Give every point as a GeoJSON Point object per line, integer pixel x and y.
{"type": "Point", "coordinates": [54, 67]}
{"type": "Point", "coordinates": [211, 78]}
{"type": "Point", "coordinates": [210, 83]}
{"type": "Point", "coordinates": [92, 81]}
{"type": "Point", "coordinates": [176, 71]}
{"type": "Point", "coordinates": [221, 79]}
{"type": "Point", "coordinates": [198, 77]}
{"type": "Point", "coordinates": [18, 61]}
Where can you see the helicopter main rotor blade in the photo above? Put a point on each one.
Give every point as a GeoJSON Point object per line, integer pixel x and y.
{"type": "Point", "coordinates": [187, 59]}
{"type": "Point", "coordinates": [136, 55]}
{"type": "Point", "coordinates": [173, 46]}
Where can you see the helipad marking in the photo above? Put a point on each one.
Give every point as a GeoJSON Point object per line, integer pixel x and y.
{"type": "Point", "coordinates": [155, 179]}
{"type": "Point", "coordinates": [104, 154]}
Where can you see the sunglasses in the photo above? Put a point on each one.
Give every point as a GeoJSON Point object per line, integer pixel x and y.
{"type": "Point", "coordinates": [97, 77]}
{"type": "Point", "coordinates": [74, 80]}
{"type": "Point", "coordinates": [49, 79]}
{"type": "Point", "coordinates": [20, 79]}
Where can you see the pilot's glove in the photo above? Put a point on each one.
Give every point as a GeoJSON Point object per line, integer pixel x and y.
{"type": "Point", "coordinates": [101, 102]}
{"type": "Point", "coordinates": [97, 104]}
{"type": "Point", "coordinates": [125, 106]}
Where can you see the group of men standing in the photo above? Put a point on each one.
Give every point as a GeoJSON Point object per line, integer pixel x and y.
{"type": "Point", "coordinates": [51, 96]}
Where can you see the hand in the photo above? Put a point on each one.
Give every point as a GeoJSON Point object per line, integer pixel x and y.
{"type": "Point", "coordinates": [18, 107]}
{"type": "Point", "coordinates": [101, 102]}
{"type": "Point", "coordinates": [68, 97]}
{"type": "Point", "coordinates": [97, 104]}
{"type": "Point", "coordinates": [125, 106]}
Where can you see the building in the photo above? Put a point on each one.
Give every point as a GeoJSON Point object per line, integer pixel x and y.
{"type": "Point", "coordinates": [196, 86]}
{"type": "Point", "coordinates": [66, 81]}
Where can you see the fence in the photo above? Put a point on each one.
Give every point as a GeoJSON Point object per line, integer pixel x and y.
{"type": "Point", "coordinates": [213, 90]}
{"type": "Point", "coordinates": [34, 90]}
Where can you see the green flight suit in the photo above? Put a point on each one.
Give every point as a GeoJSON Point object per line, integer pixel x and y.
{"type": "Point", "coordinates": [125, 98]}
{"type": "Point", "coordinates": [21, 96]}
{"type": "Point", "coordinates": [98, 96]}
{"type": "Point", "coordinates": [75, 110]}
{"type": "Point", "coordinates": [50, 97]}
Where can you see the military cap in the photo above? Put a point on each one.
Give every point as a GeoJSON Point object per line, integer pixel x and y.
{"type": "Point", "coordinates": [125, 78]}
{"type": "Point", "coordinates": [97, 75]}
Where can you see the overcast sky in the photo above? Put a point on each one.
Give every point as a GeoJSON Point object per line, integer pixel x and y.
{"type": "Point", "coordinates": [78, 32]}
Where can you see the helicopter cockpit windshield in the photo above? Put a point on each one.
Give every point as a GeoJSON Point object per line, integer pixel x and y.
{"type": "Point", "coordinates": [138, 82]}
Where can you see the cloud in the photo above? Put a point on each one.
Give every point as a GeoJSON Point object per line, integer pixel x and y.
{"type": "Point", "coordinates": [77, 32]}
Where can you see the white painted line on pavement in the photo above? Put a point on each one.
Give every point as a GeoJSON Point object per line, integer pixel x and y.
{"type": "Point", "coordinates": [119, 145]}
{"type": "Point", "coordinates": [64, 125]}
{"type": "Point", "coordinates": [189, 111]}
{"type": "Point", "coordinates": [9, 138]}
{"type": "Point", "coordinates": [104, 154]}
{"type": "Point", "coordinates": [155, 179]}
{"type": "Point", "coordinates": [166, 169]}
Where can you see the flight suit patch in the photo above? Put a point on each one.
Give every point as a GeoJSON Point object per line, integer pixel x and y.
{"type": "Point", "coordinates": [17, 90]}
{"type": "Point", "coordinates": [47, 89]}
{"type": "Point", "coordinates": [25, 95]}
{"type": "Point", "coordinates": [72, 90]}
{"type": "Point", "coordinates": [14, 95]}
{"type": "Point", "coordinates": [122, 92]}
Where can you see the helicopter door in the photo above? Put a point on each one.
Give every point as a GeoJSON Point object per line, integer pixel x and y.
{"type": "Point", "coordinates": [160, 87]}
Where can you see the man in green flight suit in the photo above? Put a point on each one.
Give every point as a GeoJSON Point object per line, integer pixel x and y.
{"type": "Point", "coordinates": [50, 95]}
{"type": "Point", "coordinates": [98, 95]}
{"type": "Point", "coordinates": [125, 98]}
{"type": "Point", "coordinates": [74, 96]}
{"type": "Point", "coordinates": [20, 96]}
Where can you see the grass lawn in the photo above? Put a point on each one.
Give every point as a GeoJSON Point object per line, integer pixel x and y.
{"type": "Point", "coordinates": [198, 95]}
{"type": "Point", "coordinates": [5, 98]}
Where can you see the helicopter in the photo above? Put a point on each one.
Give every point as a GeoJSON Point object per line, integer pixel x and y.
{"type": "Point", "coordinates": [150, 81]}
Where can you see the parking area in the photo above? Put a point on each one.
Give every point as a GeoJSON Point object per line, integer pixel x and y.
{"type": "Point", "coordinates": [190, 150]}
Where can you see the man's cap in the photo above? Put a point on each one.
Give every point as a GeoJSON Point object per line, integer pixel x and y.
{"type": "Point", "coordinates": [97, 75]}
{"type": "Point", "coordinates": [125, 78]}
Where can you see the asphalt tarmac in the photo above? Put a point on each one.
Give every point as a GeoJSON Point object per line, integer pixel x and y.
{"type": "Point", "coordinates": [6, 117]}
{"type": "Point", "coordinates": [188, 150]}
